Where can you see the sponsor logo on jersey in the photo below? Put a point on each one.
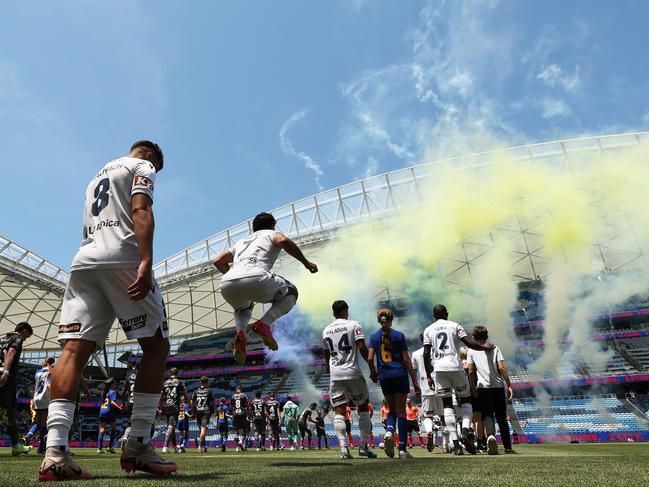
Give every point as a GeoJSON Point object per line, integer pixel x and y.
{"type": "Point", "coordinates": [142, 182]}
{"type": "Point", "coordinates": [135, 323]}
{"type": "Point", "coordinates": [71, 328]}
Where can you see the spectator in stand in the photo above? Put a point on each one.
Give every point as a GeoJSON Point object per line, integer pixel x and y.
{"type": "Point", "coordinates": [489, 374]}
{"type": "Point", "coordinates": [11, 346]}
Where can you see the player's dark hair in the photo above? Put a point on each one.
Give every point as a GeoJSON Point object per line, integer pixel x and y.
{"type": "Point", "coordinates": [173, 371]}
{"type": "Point", "coordinates": [23, 325]}
{"type": "Point", "coordinates": [238, 386]}
{"type": "Point", "coordinates": [49, 361]}
{"type": "Point", "coordinates": [258, 394]}
{"type": "Point", "coordinates": [339, 307]}
{"type": "Point", "coordinates": [385, 317]}
{"type": "Point", "coordinates": [263, 221]}
{"type": "Point", "coordinates": [440, 312]}
{"type": "Point", "coordinates": [107, 385]}
{"type": "Point", "coordinates": [313, 405]}
{"type": "Point", "coordinates": [152, 146]}
{"type": "Point", "coordinates": [480, 333]}
{"type": "Point", "coordinates": [203, 380]}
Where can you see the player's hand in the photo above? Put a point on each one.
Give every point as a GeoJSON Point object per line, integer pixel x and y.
{"type": "Point", "coordinates": [4, 378]}
{"type": "Point", "coordinates": [143, 282]}
{"type": "Point", "coordinates": [489, 346]}
{"type": "Point", "coordinates": [511, 392]}
{"type": "Point", "coordinates": [417, 388]}
{"type": "Point", "coordinates": [431, 383]}
{"type": "Point", "coordinates": [311, 267]}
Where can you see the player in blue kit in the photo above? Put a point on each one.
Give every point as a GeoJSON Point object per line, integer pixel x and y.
{"type": "Point", "coordinates": [391, 352]}
{"type": "Point", "coordinates": [183, 425]}
{"type": "Point", "coordinates": [222, 416]}
{"type": "Point", "coordinates": [107, 416]}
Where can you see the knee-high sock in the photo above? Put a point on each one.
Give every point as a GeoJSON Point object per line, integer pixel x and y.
{"type": "Point", "coordinates": [100, 440]}
{"type": "Point", "coordinates": [59, 420]}
{"type": "Point", "coordinates": [170, 430]}
{"type": "Point", "coordinates": [428, 425]}
{"type": "Point", "coordinates": [445, 436]}
{"type": "Point", "coordinates": [32, 431]}
{"type": "Point", "coordinates": [340, 429]}
{"type": "Point", "coordinates": [143, 415]}
{"type": "Point", "coordinates": [242, 318]}
{"type": "Point", "coordinates": [451, 425]}
{"type": "Point", "coordinates": [467, 415]}
{"type": "Point", "coordinates": [403, 433]}
{"type": "Point", "coordinates": [391, 421]}
{"type": "Point", "coordinates": [127, 433]}
{"type": "Point", "coordinates": [279, 309]}
{"type": "Point", "coordinates": [365, 425]}
{"type": "Point", "coordinates": [111, 438]}
{"type": "Point", "coordinates": [42, 432]}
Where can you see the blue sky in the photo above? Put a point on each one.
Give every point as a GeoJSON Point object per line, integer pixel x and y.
{"type": "Point", "coordinates": [257, 104]}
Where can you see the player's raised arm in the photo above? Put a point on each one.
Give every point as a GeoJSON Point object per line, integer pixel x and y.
{"type": "Point", "coordinates": [471, 343]}
{"type": "Point", "coordinates": [143, 227]}
{"type": "Point", "coordinates": [223, 261]}
{"type": "Point", "coordinates": [291, 248]}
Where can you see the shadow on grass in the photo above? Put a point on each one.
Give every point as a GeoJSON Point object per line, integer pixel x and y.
{"type": "Point", "coordinates": [310, 464]}
{"type": "Point", "coordinates": [180, 477]}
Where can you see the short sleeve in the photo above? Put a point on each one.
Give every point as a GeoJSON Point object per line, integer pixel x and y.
{"type": "Point", "coordinates": [358, 332]}
{"type": "Point", "coordinates": [373, 343]}
{"type": "Point", "coordinates": [404, 343]}
{"type": "Point", "coordinates": [143, 179]}
{"type": "Point", "coordinates": [17, 343]}
{"type": "Point", "coordinates": [499, 355]}
{"type": "Point", "coordinates": [469, 357]}
{"type": "Point", "coordinates": [460, 331]}
{"type": "Point", "coordinates": [427, 340]}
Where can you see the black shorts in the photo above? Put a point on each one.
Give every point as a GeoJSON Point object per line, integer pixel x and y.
{"type": "Point", "coordinates": [240, 422]}
{"type": "Point", "coordinates": [8, 394]}
{"type": "Point", "coordinates": [320, 431]}
{"type": "Point", "coordinates": [413, 425]}
{"type": "Point", "coordinates": [203, 419]}
{"type": "Point", "coordinates": [274, 426]}
{"type": "Point", "coordinates": [348, 426]}
{"type": "Point", "coordinates": [260, 426]}
{"type": "Point", "coordinates": [304, 430]}
{"type": "Point", "coordinates": [172, 416]}
{"type": "Point", "coordinates": [223, 428]}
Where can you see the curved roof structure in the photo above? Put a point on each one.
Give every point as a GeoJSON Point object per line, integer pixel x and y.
{"type": "Point", "coordinates": [190, 283]}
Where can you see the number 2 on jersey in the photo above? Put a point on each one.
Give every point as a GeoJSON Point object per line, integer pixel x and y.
{"type": "Point", "coordinates": [443, 336]}
{"type": "Point", "coordinates": [101, 196]}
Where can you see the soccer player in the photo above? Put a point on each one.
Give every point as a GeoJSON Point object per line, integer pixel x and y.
{"type": "Point", "coordinates": [478, 427]}
{"type": "Point", "coordinates": [412, 416]}
{"type": "Point", "coordinates": [320, 430]}
{"type": "Point", "coordinates": [111, 276]}
{"type": "Point", "coordinates": [394, 366]}
{"type": "Point", "coordinates": [107, 416]}
{"type": "Point", "coordinates": [490, 374]}
{"type": "Point", "coordinates": [183, 425]}
{"type": "Point", "coordinates": [127, 395]}
{"type": "Point", "coordinates": [11, 346]}
{"type": "Point", "coordinates": [202, 405]}
{"type": "Point", "coordinates": [250, 281]}
{"type": "Point", "coordinates": [40, 403]}
{"type": "Point", "coordinates": [385, 411]}
{"type": "Point", "coordinates": [291, 415]}
{"type": "Point", "coordinates": [259, 414]}
{"type": "Point", "coordinates": [441, 344]}
{"type": "Point", "coordinates": [304, 424]}
{"type": "Point", "coordinates": [240, 423]}
{"type": "Point", "coordinates": [172, 390]}
{"type": "Point", "coordinates": [431, 404]}
{"type": "Point", "coordinates": [343, 342]}
{"type": "Point", "coordinates": [273, 410]}
{"type": "Point", "coordinates": [222, 416]}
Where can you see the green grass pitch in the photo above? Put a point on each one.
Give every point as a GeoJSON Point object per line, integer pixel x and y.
{"type": "Point", "coordinates": [543, 465]}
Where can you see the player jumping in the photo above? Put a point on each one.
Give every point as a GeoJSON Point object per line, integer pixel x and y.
{"type": "Point", "coordinates": [250, 281]}
{"type": "Point", "coordinates": [343, 343]}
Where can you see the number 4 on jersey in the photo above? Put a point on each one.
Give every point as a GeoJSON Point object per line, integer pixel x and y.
{"type": "Point", "coordinates": [343, 345]}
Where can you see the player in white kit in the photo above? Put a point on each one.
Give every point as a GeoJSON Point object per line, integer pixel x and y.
{"type": "Point", "coordinates": [441, 354]}
{"type": "Point", "coordinates": [343, 343]}
{"type": "Point", "coordinates": [431, 403]}
{"type": "Point", "coordinates": [40, 403]}
{"type": "Point", "coordinates": [249, 280]}
{"type": "Point", "coordinates": [111, 277]}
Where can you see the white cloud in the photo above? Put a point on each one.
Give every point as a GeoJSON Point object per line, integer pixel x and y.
{"type": "Point", "coordinates": [554, 108]}
{"type": "Point", "coordinates": [289, 149]}
{"type": "Point", "coordinates": [553, 75]}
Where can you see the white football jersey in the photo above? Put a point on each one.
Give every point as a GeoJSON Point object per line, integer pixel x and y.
{"type": "Point", "coordinates": [108, 233]}
{"type": "Point", "coordinates": [340, 338]}
{"type": "Point", "coordinates": [444, 336]}
{"type": "Point", "coordinates": [254, 255]}
{"type": "Point", "coordinates": [420, 369]}
{"type": "Point", "coordinates": [41, 391]}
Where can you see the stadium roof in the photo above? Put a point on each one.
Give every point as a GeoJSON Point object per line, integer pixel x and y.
{"type": "Point", "coordinates": [31, 288]}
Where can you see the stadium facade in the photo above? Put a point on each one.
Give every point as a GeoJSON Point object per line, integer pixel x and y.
{"type": "Point", "coordinates": [31, 288]}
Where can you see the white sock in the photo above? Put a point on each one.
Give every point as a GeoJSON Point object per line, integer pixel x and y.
{"type": "Point", "coordinates": [60, 416]}
{"type": "Point", "coordinates": [467, 415]}
{"type": "Point", "coordinates": [242, 318]}
{"type": "Point", "coordinates": [279, 309]}
{"type": "Point", "coordinates": [143, 416]}
{"type": "Point", "coordinates": [445, 436]}
{"type": "Point", "coordinates": [428, 425]}
{"type": "Point", "coordinates": [341, 430]}
{"type": "Point", "coordinates": [127, 432]}
{"type": "Point", "coordinates": [365, 425]}
{"type": "Point", "coordinates": [451, 425]}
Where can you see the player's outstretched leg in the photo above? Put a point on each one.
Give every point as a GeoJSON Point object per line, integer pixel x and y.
{"type": "Point", "coordinates": [365, 426]}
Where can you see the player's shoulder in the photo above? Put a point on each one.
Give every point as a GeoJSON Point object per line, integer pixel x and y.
{"type": "Point", "coordinates": [135, 163]}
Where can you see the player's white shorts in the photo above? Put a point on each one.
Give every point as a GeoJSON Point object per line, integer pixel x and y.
{"type": "Point", "coordinates": [431, 404]}
{"type": "Point", "coordinates": [348, 391]}
{"type": "Point", "coordinates": [41, 403]}
{"type": "Point", "coordinates": [264, 288]}
{"type": "Point", "coordinates": [448, 381]}
{"type": "Point", "coordinates": [95, 297]}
